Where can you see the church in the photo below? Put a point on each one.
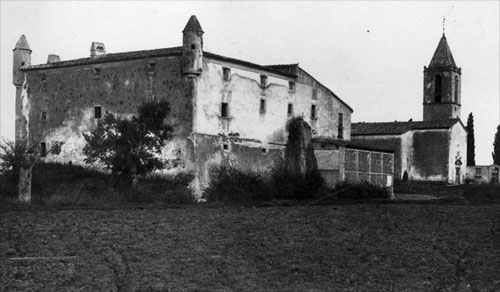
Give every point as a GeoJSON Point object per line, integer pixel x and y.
{"type": "Point", "coordinates": [434, 149]}
{"type": "Point", "coordinates": [223, 110]}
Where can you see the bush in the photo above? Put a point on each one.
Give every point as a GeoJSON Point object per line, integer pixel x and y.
{"type": "Point", "coordinates": [482, 194]}
{"type": "Point", "coordinates": [361, 191]}
{"type": "Point", "coordinates": [233, 184]}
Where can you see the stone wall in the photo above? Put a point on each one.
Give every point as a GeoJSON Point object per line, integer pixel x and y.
{"type": "Point", "coordinates": [431, 155]}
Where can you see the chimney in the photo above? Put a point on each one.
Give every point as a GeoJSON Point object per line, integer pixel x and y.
{"type": "Point", "coordinates": [53, 59]}
{"type": "Point", "coordinates": [97, 49]}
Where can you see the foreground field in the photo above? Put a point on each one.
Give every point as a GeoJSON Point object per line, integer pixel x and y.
{"type": "Point", "coordinates": [199, 248]}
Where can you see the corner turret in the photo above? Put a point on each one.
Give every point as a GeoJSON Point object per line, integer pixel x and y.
{"type": "Point", "coordinates": [22, 57]}
{"type": "Point", "coordinates": [192, 48]}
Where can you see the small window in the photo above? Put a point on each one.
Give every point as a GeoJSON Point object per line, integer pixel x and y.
{"type": "Point", "coordinates": [263, 150]}
{"type": "Point", "coordinates": [43, 77]}
{"type": "Point", "coordinates": [43, 149]}
{"type": "Point", "coordinates": [226, 73]}
{"type": "Point", "coordinates": [456, 90]}
{"type": "Point", "coordinates": [437, 88]}
{"type": "Point", "coordinates": [193, 46]}
{"type": "Point", "coordinates": [151, 67]}
{"type": "Point", "coordinates": [313, 112]}
{"type": "Point", "coordinates": [315, 93]}
{"type": "Point", "coordinates": [97, 112]}
{"type": "Point", "coordinates": [225, 146]}
{"type": "Point", "coordinates": [290, 109]}
{"type": "Point", "coordinates": [22, 63]}
{"type": "Point", "coordinates": [263, 81]}
{"type": "Point", "coordinates": [291, 86]}
{"type": "Point", "coordinates": [262, 108]}
{"type": "Point", "coordinates": [224, 110]}
{"type": "Point", "coordinates": [341, 126]}
{"type": "Point", "coordinates": [97, 72]}
{"type": "Point", "coordinates": [43, 116]}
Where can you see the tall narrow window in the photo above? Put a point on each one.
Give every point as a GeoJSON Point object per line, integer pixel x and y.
{"type": "Point", "coordinates": [224, 110]}
{"type": "Point", "coordinates": [151, 67]}
{"type": "Point", "coordinates": [313, 112]}
{"type": "Point", "coordinates": [456, 89]}
{"type": "Point", "coordinates": [263, 81]}
{"type": "Point", "coordinates": [226, 73]}
{"type": "Point", "coordinates": [437, 88]}
{"type": "Point", "coordinates": [291, 86]}
{"type": "Point", "coordinates": [43, 116]}
{"type": "Point", "coordinates": [97, 112]}
{"type": "Point", "coordinates": [43, 149]}
{"type": "Point", "coordinates": [341, 126]}
{"type": "Point", "coordinates": [290, 109]}
{"type": "Point", "coordinates": [262, 108]}
{"type": "Point", "coordinates": [315, 93]}
{"type": "Point", "coordinates": [97, 72]}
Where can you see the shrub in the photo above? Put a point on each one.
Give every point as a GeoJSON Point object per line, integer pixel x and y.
{"type": "Point", "coordinates": [361, 191]}
{"type": "Point", "coordinates": [482, 193]}
{"type": "Point", "coordinates": [231, 184]}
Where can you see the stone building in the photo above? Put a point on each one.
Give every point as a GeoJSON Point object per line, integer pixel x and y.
{"type": "Point", "coordinates": [433, 149]}
{"type": "Point", "coordinates": [222, 109]}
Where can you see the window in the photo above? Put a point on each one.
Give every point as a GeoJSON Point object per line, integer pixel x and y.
{"type": "Point", "coordinates": [456, 89]}
{"type": "Point", "coordinates": [263, 81]}
{"type": "Point", "coordinates": [341, 126]}
{"type": "Point", "coordinates": [437, 88]}
{"type": "Point", "coordinates": [262, 108]}
{"type": "Point", "coordinates": [97, 112]}
{"type": "Point", "coordinates": [313, 112]}
{"type": "Point", "coordinates": [43, 116]}
{"type": "Point", "coordinates": [291, 86]}
{"type": "Point", "coordinates": [315, 93]}
{"type": "Point", "coordinates": [263, 150]}
{"type": "Point", "coordinates": [43, 77]}
{"type": "Point", "coordinates": [43, 149]}
{"type": "Point", "coordinates": [151, 67]}
{"type": "Point", "coordinates": [97, 72]}
{"type": "Point", "coordinates": [224, 110]}
{"type": "Point", "coordinates": [225, 146]}
{"type": "Point", "coordinates": [478, 172]}
{"type": "Point", "coordinates": [226, 74]}
{"type": "Point", "coordinates": [290, 109]}
{"type": "Point", "coordinates": [193, 46]}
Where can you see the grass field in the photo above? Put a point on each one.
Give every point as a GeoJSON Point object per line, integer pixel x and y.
{"type": "Point", "coordinates": [392, 247]}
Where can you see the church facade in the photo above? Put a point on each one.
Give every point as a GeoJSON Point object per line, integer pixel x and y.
{"type": "Point", "coordinates": [434, 149]}
{"type": "Point", "coordinates": [223, 110]}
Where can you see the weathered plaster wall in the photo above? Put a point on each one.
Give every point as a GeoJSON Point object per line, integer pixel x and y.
{"type": "Point", "coordinates": [241, 153]}
{"type": "Point", "coordinates": [68, 96]}
{"type": "Point", "coordinates": [431, 155]}
{"type": "Point", "coordinates": [458, 150]}
{"type": "Point", "coordinates": [386, 142]}
{"type": "Point", "coordinates": [243, 93]}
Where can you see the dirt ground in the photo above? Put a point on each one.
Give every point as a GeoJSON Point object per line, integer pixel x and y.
{"type": "Point", "coordinates": [394, 247]}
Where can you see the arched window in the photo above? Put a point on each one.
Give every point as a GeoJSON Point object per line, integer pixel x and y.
{"type": "Point", "coordinates": [456, 89]}
{"type": "Point", "coordinates": [437, 88]}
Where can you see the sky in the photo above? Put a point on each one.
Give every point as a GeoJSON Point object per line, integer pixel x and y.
{"type": "Point", "coordinates": [371, 54]}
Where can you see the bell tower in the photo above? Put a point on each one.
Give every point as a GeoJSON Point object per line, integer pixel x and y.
{"type": "Point", "coordinates": [442, 80]}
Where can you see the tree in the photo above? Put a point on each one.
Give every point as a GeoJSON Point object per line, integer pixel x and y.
{"type": "Point", "coordinates": [471, 151]}
{"type": "Point", "coordinates": [17, 160]}
{"type": "Point", "coordinates": [496, 147]}
{"type": "Point", "coordinates": [129, 147]}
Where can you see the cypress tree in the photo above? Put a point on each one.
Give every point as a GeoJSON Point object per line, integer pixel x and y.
{"type": "Point", "coordinates": [496, 147]}
{"type": "Point", "coordinates": [471, 148]}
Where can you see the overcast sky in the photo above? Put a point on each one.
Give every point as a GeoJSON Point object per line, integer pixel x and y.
{"type": "Point", "coordinates": [371, 54]}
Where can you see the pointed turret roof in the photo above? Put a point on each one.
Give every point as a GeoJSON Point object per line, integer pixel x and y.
{"type": "Point", "coordinates": [22, 43]}
{"type": "Point", "coordinates": [193, 25]}
{"type": "Point", "coordinates": [442, 56]}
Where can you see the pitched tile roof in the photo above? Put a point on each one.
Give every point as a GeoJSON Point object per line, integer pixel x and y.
{"type": "Point", "coordinates": [290, 69]}
{"type": "Point", "coordinates": [442, 57]}
{"type": "Point", "coordinates": [397, 128]}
